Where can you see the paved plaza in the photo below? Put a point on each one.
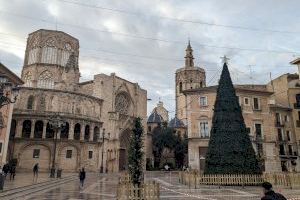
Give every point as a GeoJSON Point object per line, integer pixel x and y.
{"type": "Point", "coordinates": [99, 186]}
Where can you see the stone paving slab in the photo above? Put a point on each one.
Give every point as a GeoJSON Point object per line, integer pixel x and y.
{"type": "Point", "coordinates": [25, 179]}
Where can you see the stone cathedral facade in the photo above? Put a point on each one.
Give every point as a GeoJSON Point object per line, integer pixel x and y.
{"type": "Point", "coordinates": [98, 114]}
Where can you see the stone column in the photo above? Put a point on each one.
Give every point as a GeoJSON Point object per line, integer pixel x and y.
{"type": "Point", "coordinates": [58, 134]}
{"type": "Point", "coordinates": [19, 127]}
{"type": "Point", "coordinates": [44, 129]}
{"type": "Point", "coordinates": [32, 128]}
{"type": "Point", "coordinates": [71, 131]}
{"type": "Point", "coordinates": [82, 132]}
{"type": "Point", "coordinates": [91, 132]}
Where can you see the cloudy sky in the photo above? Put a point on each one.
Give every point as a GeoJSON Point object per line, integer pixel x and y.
{"type": "Point", "coordinates": [144, 41]}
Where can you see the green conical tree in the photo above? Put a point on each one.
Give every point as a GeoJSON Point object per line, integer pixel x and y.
{"type": "Point", "coordinates": [230, 150]}
{"type": "Point", "coordinates": [136, 154]}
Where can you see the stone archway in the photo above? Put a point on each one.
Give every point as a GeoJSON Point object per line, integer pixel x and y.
{"type": "Point", "coordinates": [123, 152]}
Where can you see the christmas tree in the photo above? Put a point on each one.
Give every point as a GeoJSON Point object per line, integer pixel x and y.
{"type": "Point", "coordinates": [230, 150]}
{"type": "Point", "coordinates": [135, 153]}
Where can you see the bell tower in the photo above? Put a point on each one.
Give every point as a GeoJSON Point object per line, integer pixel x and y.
{"type": "Point", "coordinates": [188, 77]}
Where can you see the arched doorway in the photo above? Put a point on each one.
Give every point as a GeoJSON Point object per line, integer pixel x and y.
{"type": "Point", "coordinates": [32, 154]}
{"type": "Point", "coordinates": [123, 152]}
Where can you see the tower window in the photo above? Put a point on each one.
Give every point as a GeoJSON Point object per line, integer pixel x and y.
{"type": "Point", "coordinates": [180, 87]}
{"type": "Point", "coordinates": [46, 80]}
{"type": "Point", "coordinates": [201, 84]}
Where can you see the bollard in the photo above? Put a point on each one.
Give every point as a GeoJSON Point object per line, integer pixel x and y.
{"type": "Point", "coordinates": [2, 178]}
{"type": "Point", "coordinates": [58, 174]}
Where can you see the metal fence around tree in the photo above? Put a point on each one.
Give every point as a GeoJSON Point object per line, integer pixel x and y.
{"type": "Point", "coordinates": [194, 179]}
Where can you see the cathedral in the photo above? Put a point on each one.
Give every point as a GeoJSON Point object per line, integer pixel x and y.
{"type": "Point", "coordinates": [271, 112]}
{"type": "Point", "coordinates": [96, 115]}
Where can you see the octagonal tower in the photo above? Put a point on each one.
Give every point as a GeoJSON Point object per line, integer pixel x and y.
{"type": "Point", "coordinates": [51, 60]}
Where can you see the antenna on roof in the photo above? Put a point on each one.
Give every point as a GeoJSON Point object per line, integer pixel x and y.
{"type": "Point", "coordinates": [251, 74]}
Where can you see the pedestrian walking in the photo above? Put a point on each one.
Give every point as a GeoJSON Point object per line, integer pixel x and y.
{"type": "Point", "coordinates": [82, 177]}
{"type": "Point", "coordinates": [269, 194]}
{"type": "Point", "coordinates": [35, 171]}
{"type": "Point", "coordinates": [5, 169]}
{"type": "Point", "coordinates": [12, 172]}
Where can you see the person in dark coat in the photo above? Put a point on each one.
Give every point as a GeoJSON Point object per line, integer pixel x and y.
{"type": "Point", "coordinates": [270, 194]}
{"type": "Point", "coordinates": [82, 177]}
{"type": "Point", "coordinates": [5, 169]}
{"type": "Point", "coordinates": [12, 172]}
{"type": "Point", "coordinates": [35, 171]}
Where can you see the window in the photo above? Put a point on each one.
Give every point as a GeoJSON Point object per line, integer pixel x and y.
{"type": "Point", "coordinates": [246, 101]}
{"type": "Point", "coordinates": [288, 135]}
{"type": "Point", "coordinates": [204, 132]}
{"type": "Point", "coordinates": [30, 102]}
{"type": "Point", "coordinates": [90, 154]}
{"type": "Point", "coordinates": [281, 149]}
{"type": "Point", "coordinates": [149, 128]}
{"type": "Point", "coordinates": [36, 153]}
{"type": "Point", "coordinates": [45, 80]}
{"type": "Point", "coordinates": [180, 87]}
{"type": "Point", "coordinates": [290, 150]}
{"type": "Point", "coordinates": [256, 104]}
{"type": "Point", "coordinates": [27, 79]}
{"type": "Point", "coordinates": [278, 118]}
{"type": "Point", "coordinates": [286, 118]}
{"type": "Point", "coordinates": [280, 136]}
{"type": "Point", "coordinates": [69, 154]}
{"type": "Point", "coordinates": [1, 147]}
{"type": "Point", "coordinates": [203, 101]}
{"type": "Point", "coordinates": [258, 130]}
{"type": "Point", "coordinates": [298, 99]}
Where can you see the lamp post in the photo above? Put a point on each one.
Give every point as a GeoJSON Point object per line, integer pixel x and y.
{"type": "Point", "coordinates": [4, 99]}
{"type": "Point", "coordinates": [56, 123]}
{"type": "Point", "coordinates": [103, 136]}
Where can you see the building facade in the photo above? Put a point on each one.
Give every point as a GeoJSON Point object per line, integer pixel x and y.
{"type": "Point", "coordinates": [8, 82]}
{"type": "Point", "coordinates": [98, 114]}
{"type": "Point", "coordinates": [264, 113]}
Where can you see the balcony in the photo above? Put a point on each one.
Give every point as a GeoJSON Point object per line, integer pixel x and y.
{"type": "Point", "coordinates": [297, 105]}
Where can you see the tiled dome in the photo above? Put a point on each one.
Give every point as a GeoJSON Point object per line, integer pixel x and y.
{"type": "Point", "coordinates": [176, 123]}
{"type": "Point", "coordinates": [155, 118]}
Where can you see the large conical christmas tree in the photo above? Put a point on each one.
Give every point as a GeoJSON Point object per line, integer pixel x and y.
{"type": "Point", "coordinates": [230, 150]}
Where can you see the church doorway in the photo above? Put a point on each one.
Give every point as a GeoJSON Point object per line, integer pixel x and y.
{"type": "Point", "coordinates": [123, 152]}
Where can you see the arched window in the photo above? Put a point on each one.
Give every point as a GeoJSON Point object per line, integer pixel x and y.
{"type": "Point", "coordinates": [180, 87]}
{"type": "Point", "coordinates": [77, 132]}
{"type": "Point", "coordinates": [27, 79]}
{"type": "Point", "coordinates": [87, 133]}
{"type": "Point", "coordinates": [49, 131]}
{"type": "Point", "coordinates": [26, 129]}
{"type": "Point", "coordinates": [201, 84]}
{"type": "Point", "coordinates": [45, 80]}
{"type": "Point", "coordinates": [64, 134]}
{"type": "Point", "coordinates": [38, 129]}
{"type": "Point", "coordinates": [30, 102]}
{"type": "Point", "coordinates": [96, 134]}
{"type": "Point", "coordinates": [13, 129]}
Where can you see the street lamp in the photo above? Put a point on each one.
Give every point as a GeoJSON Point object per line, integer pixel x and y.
{"type": "Point", "coordinates": [103, 136]}
{"type": "Point", "coordinates": [4, 99]}
{"type": "Point", "coordinates": [56, 123]}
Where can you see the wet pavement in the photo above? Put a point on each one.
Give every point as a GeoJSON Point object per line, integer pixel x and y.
{"type": "Point", "coordinates": [104, 186]}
